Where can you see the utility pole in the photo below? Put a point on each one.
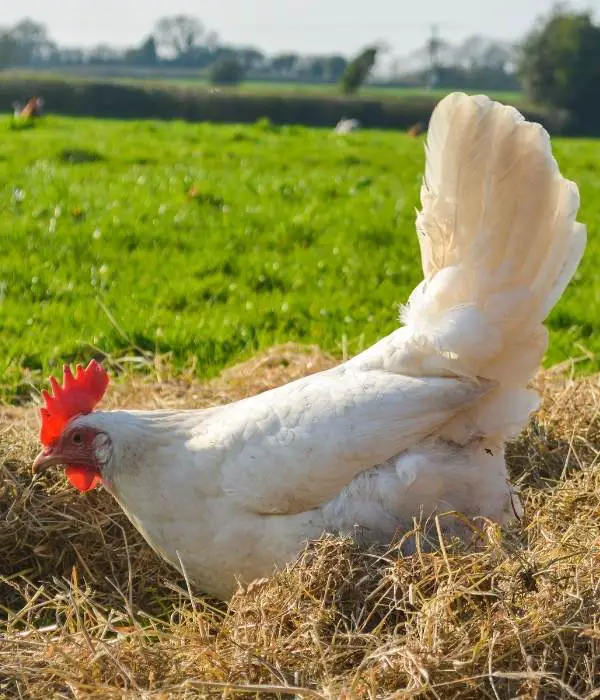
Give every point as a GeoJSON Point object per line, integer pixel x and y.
{"type": "Point", "coordinates": [434, 44]}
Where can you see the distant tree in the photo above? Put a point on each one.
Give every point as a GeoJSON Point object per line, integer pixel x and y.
{"type": "Point", "coordinates": [143, 55]}
{"type": "Point", "coordinates": [227, 70]}
{"type": "Point", "coordinates": [70, 57]}
{"type": "Point", "coordinates": [250, 59]}
{"type": "Point", "coordinates": [479, 52]}
{"type": "Point", "coordinates": [285, 63]}
{"type": "Point", "coordinates": [335, 67]}
{"type": "Point", "coordinates": [9, 49]}
{"type": "Point", "coordinates": [311, 68]}
{"type": "Point", "coordinates": [104, 54]}
{"type": "Point", "coordinates": [179, 36]}
{"type": "Point", "coordinates": [33, 42]}
{"type": "Point", "coordinates": [559, 65]}
{"type": "Point", "coordinates": [211, 41]}
{"type": "Point", "coordinates": [320, 68]}
{"type": "Point", "coordinates": [477, 63]}
{"type": "Point", "coordinates": [357, 71]}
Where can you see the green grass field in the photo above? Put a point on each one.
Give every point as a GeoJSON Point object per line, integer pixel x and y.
{"type": "Point", "coordinates": [210, 242]}
{"type": "Point", "coordinates": [291, 88]}
{"type": "Point", "coordinates": [369, 90]}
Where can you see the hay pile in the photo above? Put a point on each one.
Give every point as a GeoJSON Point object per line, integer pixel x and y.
{"type": "Point", "coordinates": [88, 611]}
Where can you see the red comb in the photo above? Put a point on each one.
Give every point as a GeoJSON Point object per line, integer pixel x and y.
{"type": "Point", "coordinates": [79, 394]}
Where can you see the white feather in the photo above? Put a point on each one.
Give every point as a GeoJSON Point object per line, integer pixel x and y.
{"type": "Point", "coordinates": [499, 241]}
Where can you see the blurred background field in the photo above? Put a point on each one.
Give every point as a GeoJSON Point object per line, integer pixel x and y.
{"type": "Point", "coordinates": [209, 243]}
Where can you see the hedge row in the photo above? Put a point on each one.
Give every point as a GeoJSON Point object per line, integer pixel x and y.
{"type": "Point", "coordinates": [125, 101]}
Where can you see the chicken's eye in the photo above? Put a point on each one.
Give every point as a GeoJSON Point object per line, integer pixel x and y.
{"type": "Point", "coordinates": [77, 438]}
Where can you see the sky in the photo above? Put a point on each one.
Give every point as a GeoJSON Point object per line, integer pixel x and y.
{"type": "Point", "coordinates": [309, 26]}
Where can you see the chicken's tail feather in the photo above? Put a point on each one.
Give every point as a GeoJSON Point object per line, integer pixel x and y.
{"type": "Point", "coordinates": [499, 243]}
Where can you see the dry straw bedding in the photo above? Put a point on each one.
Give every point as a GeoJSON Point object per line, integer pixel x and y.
{"type": "Point", "coordinates": [88, 610]}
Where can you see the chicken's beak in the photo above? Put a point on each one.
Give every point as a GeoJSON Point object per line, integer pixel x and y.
{"type": "Point", "coordinates": [45, 460]}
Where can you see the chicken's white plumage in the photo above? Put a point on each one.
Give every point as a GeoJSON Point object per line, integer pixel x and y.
{"type": "Point", "coordinates": [415, 423]}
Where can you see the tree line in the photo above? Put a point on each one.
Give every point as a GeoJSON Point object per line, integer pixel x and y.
{"type": "Point", "coordinates": [178, 42]}
{"type": "Point", "coordinates": [182, 42]}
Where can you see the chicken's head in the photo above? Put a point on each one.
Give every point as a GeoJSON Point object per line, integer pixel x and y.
{"type": "Point", "coordinates": [82, 449]}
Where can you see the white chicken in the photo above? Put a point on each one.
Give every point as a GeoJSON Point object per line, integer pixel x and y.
{"type": "Point", "coordinates": [415, 424]}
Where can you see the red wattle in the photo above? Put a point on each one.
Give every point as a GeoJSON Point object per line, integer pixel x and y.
{"type": "Point", "coordinates": [83, 478]}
